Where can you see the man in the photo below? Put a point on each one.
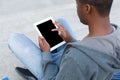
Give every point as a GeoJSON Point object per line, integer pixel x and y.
{"type": "Point", "coordinates": [96, 57]}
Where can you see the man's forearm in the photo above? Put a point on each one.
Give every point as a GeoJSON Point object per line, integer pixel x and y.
{"type": "Point", "coordinates": [50, 68]}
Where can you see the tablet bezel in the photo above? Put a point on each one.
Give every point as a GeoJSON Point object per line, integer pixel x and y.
{"type": "Point", "coordinates": [40, 34]}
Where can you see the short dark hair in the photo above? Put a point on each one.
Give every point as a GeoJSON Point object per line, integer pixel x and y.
{"type": "Point", "coordinates": [102, 6]}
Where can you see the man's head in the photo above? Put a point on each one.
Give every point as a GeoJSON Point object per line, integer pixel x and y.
{"type": "Point", "coordinates": [86, 7]}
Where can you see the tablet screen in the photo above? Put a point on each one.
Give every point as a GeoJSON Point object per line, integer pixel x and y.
{"type": "Point", "coordinates": [51, 37]}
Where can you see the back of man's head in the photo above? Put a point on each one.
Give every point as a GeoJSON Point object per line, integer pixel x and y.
{"type": "Point", "coordinates": [103, 7]}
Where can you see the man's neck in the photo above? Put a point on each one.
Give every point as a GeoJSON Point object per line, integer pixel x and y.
{"type": "Point", "coordinates": [100, 27]}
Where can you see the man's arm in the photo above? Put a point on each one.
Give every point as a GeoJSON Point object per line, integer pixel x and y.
{"type": "Point", "coordinates": [50, 69]}
{"type": "Point", "coordinates": [69, 70]}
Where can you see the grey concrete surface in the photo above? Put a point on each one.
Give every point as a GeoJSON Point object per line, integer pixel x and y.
{"type": "Point", "coordinates": [18, 16]}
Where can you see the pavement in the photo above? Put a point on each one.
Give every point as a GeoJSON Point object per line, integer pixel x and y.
{"type": "Point", "coordinates": [18, 16]}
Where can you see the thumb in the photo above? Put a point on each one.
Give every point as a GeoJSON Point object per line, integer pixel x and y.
{"type": "Point", "coordinates": [44, 42]}
{"type": "Point", "coordinates": [40, 39]}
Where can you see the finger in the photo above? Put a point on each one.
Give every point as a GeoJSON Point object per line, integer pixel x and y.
{"type": "Point", "coordinates": [40, 40]}
{"type": "Point", "coordinates": [44, 42]}
{"type": "Point", "coordinates": [54, 30]}
{"type": "Point", "coordinates": [59, 32]}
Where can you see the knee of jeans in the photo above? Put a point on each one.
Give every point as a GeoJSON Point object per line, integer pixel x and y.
{"type": "Point", "coordinates": [64, 23]}
{"type": "Point", "coordinates": [61, 20]}
{"type": "Point", "coordinates": [67, 27]}
{"type": "Point", "coordinates": [12, 38]}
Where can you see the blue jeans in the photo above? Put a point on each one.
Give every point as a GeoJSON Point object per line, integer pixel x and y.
{"type": "Point", "coordinates": [30, 54]}
{"type": "Point", "coordinates": [116, 76]}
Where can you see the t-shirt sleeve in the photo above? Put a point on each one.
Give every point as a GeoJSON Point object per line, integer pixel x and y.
{"type": "Point", "coordinates": [50, 69]}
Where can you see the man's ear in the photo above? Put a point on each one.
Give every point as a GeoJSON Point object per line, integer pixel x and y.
{"type": "Point", "coordinates": [88, 8]}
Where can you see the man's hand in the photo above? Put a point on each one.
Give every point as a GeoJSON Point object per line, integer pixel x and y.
{"type": "Point", "coordinates": [62, 32]}
{"type": "Point", "coordinates": [45, 47]}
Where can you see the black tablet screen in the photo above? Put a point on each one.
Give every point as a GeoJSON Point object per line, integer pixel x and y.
{"type": "Point", "coordinates": [51, 37]}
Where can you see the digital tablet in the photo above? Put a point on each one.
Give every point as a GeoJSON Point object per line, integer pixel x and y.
{"type": "Point", "coordinates": [44, 28]}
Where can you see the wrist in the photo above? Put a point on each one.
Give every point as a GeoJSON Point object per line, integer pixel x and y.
{"type": "Point", "coordinates": [47, 56]}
